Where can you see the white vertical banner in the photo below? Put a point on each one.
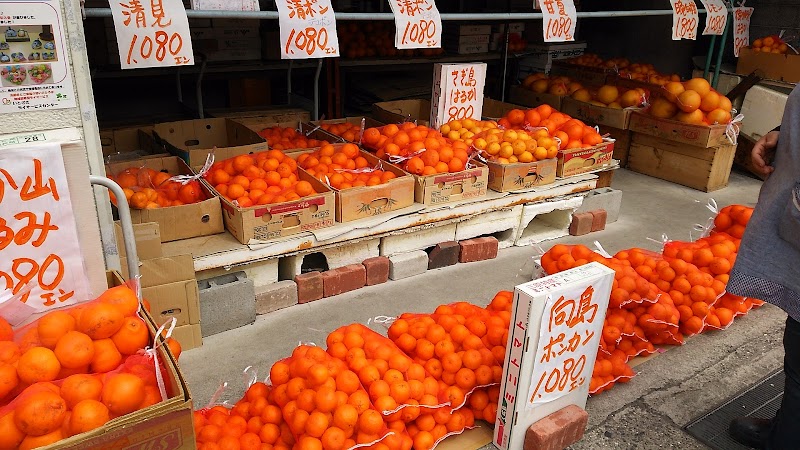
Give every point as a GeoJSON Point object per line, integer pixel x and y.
{"type": "Point", "coordinates": [716, 17]}
{"type": "Point", "coordinates": [741, 28]}
{"type": "Point", "coordinates": [560, 20]}
{"type": "Point", "coordinates": [308, 29]}
{"type": "Point", "coordinates": [457, 92]}
{"type": "Point", "coordinates": [685, 19]}
{"type": "Point", "coordinates": [39, 246]}
{"type": "Point", "coordinates": [417, 24]}
{"type": "Point", "coordinates": [152, 34]}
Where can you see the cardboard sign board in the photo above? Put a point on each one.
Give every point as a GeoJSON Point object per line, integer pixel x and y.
{"type": "Point", "coordinates": [457, 92]}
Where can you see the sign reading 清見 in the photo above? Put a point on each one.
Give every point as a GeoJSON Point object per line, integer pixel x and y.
{"type": "Point", "coordinates": [39, 246]}
{"type": "Point", "coordinates": [741, 28]}
{"type": "Point", "coordinates": [152, 33]}
{"type": "Point", "coordinates": [308, 29]}
{"type": "Point", "coordinates": [457, 92]}
{"type": "Point", "coordinates": [560, 20]}
{"type": "Point", "coordinates": [417, 24]}
{"type": "Point", "coordinates": [685, 19]}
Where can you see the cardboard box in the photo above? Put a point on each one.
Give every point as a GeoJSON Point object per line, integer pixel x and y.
{"type": "Point", "coordinates": [577, 161]}
{"type": "Point", "coordinates": [193, 140]}
{"type": "Point", "coordinates": [769, 65]}
{"type": "Point", "coordinates": [495, 109]}
{"type": "Point", "coordinates": [169, 284]}
{"type": "Point", "coordinates": [703, 168]}
{"type": "Point", "coordinates": [622, 142]}
{"type": "Point", "coordinates": [569, 303]}
{"type": "Point", "coordinates": [521, 176]}
{"type": "Point", "coordinates": [522, 96]}
{"type": "Point", "coordinates": [126, 144]}
{"type": "Point", "coordinates": [597, 115]}
{"type": "Point", "coordinates": [452, 187]}
{"type": "Point", "coordinates": [698, 135]}
{"type": "Point", "coordinates": [177, 222]}
{"type": "Point", "coordinates": [274, 115]}
{"type": "Point", "coordinates": [469, 29]}
{"type": "Point", "coordinates": [367, 122]}
{"type": "Point", "coordinates": [279, 220]}
{"type": "Point", "coordinates": [592, 76]}
{"type": "Point", "coordinates": [470, 49]}
{"type": "Point", "coordinates": [163, 270]}
{"type": "Point", "coordinates": [188, 336]}
{"type": "Point", "coordinates": [147, 237]}
{"type": "Point", "coordinates": [399, 111]}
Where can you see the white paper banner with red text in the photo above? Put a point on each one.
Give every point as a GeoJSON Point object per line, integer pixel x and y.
{"type": "Point", "coordinates": [716, 17]}
{"type": "Point", "coordinates": [457, 92]}
{"type": "Point", "coordinates": [560, 20]}
{"type": "Point", "coordinates": [741, 28]}
{"type": "Point", "coordinates": [39, 246]}
{"type": "Point", "coordinates": [152, 33]}
{"type": "Point", "coordinates": [308, 29]}
{"type": "Point", "coordinates": [685, 19]}
{"type": "Point", "coordinates": [417, 24]}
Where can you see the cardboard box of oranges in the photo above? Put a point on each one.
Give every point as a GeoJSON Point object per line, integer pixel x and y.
{"type": "Point", "coordinates": [202, 218]}
{"type": "Point", "coordinates": [348, 128]}
{"type": "Point", "coordinates": [522, 96]}
{"type": "Point", "coordinates": [193, 140]}
{"type": "Point", "coordinates": [441, 188]}
{"type": "Point", "coordinates": [573, 162]}
{"type": "Point", "coordinates": [775, 66]}
{"type": "Point", "coordinates": [521, 176]}
{"type": "Point", "coordinates": [698, 135]}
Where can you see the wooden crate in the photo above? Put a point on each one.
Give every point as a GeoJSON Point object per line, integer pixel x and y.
{"type": "Point", "coordinates": [705, 169]}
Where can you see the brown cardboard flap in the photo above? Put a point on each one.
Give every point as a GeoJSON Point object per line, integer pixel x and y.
{"type": "Point", "coordinates": [399, 111]}
{"type": "Point", "coordinates": [179, 300]}
{"type": "Point", "coordinates": [189, 336]}
{"type": "Point", "coordinates": [522, 96]}
{"type": "Point", "coordinates": [164, 270]}
{"type": "Point", "coordinates": [148, 240]}
{"type": "Point", "coordinates": [193, 140]}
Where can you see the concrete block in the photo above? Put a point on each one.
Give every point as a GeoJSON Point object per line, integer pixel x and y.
{"type": "Point", "coordinates": [557, 431]}
{"type": "Point", "coordinates": [335, 257]}
{"type": "Point", "coordinates": [352, 277]}
{"type": "Point", "coordinates": [404, 265]}
{"type": "Point", "coordinates": [599, 217]}
{"type": "Point", "coordinates": [502, 224]}
{"type": "Point", "coordinates": [377, 270]}
{"type": "Point", "coordinates": [331, 283]}
{"type": "Point", "coordinates": [603, 198]}
{"type": "Point", "coordinates": [443, 255]}
{"type": "Point", "coordinates": [581, 224]}
{"type": "Point", "coordinates": [226, 302]}
{"type": "Point", "coordinates": [275, 296]}
{"type": "Point", "coordinates": [546, 220]}
{"type": "Point", "coordinates": [309, 287]}
{"type": "Point", "coordinates": [478, 249]}
{"type": "Point", "coordinates": [263, 273]}
{"type": "Point", "coordinates": [417, 238]}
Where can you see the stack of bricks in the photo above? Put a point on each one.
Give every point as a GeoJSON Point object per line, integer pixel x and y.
{"type": "Point", "coordinates": [588, 222]}
{"type": "Point", "coordinates": [316, 285]}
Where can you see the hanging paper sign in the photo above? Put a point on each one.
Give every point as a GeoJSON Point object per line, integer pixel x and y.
{"type": "Point", "coordinates": [417, 24]}
{"type": "Point", "coordinates": [308, 29]}
{"type": "Point", "coordinates": [716, 17]}
{"type": "Point", "coordinates": [34, 69]}
{"type": "Point", "coordinates": [457, 92]}
{"type": "Point", "coordinates": [560, 20]}
{"type": "Point", "coordinates": [152, 34]}
{"type": "Point", "coordinates": [39, 247]}
{"type": "Point", "coordinates": [741, 28]}
{"type": "Point", "coordinates": [685, 19]}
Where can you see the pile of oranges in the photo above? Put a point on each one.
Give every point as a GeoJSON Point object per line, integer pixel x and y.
{"type": "Point", "coordinates": [693, 102]}
{"type": "Point", "coordinates": [73, 370]}
{"type": "Point", "coordinates": [511, 146]}
{"type": "Point", "coordinates": [149, 189]}
{"type": "Point", "coordinates": [343, 168]}
{"type": "Point", "coordinates": [420, 150]}
{"type": "Point", "coordinates": [285, 138]}
{"type": "Point", "coordinates": [370, 39]}
{"type": "Point", "coordinates": [466, 129]}
{"type": "Point", "coordinates": [611, 96]}
{"type": "Point", "coordinates": [771, 44]}
{"type": "Point", "coordinates": [569, 133]}
{"type": "Point", "coordinates": [556, 85]}
{"type": "Point", "coordinates": [261, 178]}
{"type": "Point", "coordinates": [626, 69]}
{"type": "Point", "coordinates": [350, 132]}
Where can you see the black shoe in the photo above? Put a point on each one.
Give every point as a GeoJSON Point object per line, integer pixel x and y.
{"type": "Point", "coordinates": [750, 431]}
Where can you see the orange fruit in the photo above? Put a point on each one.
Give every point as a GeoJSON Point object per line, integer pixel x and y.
{"type": "Point", "coordinates": [38, 364]}
{"type": "Point", "coordinates": [10, 436]}
{"type": "Point", "coordinates": [123, 298]}
{"type": "Point", "coordinates": [132, 337]}
{"type": "Point", "coordinates": [689, 100]}
{"type": "Point", "coordinates": [123, 393]}
{"type": "Point", "coordinates": [699, 85]}
{"type": "Point", "coordinates": [53, 325]}
{"type": "Point", "coordinates": [106, 356]}
{"type": "Point", "coordinates": [32, 442]}
{"type": "Point", "coordinates": [100, 320]}
{"type": "Point", "coordinates": [41, 413]}
{"type": "Point", "coordinates": [77, 388]}
{"type": "Point", "coordinates": [88, 415]}
{"type": "Point", "coordinates": [74, 350]}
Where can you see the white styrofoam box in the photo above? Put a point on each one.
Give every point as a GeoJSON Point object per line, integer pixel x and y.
{"type": "Point", "coordinates": [417, 238]}
{"type": "Point", "coordinates": [502, 223]}
{"type": "Point", "coordinates": [568, 307]}
{"type": "Point", "coordinates": [545, 221]}
{"type": "Point", "coordinates": [472, 49]}
{"type": "Point", "coordinates": [763, 111]}
{"type": "Point", "coordinates": [338, 256]}
{"type": "Point", "coordinates": [261, 272]}
{"type": "Point", "coordinates": [226, 5]}
{"type": "Point", "coordinates": [556, 50]}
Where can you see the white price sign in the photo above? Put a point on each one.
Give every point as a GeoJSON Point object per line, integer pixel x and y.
{"type": "Point", "coordinates": [457, 92]}
{"type": "Point", "coordinates": [685, 19]}
{"type": "Point", "coordinates": [560, 20]}
{"type": "Point", "coordinates": [308, 29]}
{"type": "Point", "coordinates": [716, 17]}
{"type": "Point", "coordinates": [741, 28]}
{"type": "Point", "coordinates": [417, 24]}
{"type": "Point", "coordinates": [39, 246]}
{"type": "Point", "coordinates": [152, 34]}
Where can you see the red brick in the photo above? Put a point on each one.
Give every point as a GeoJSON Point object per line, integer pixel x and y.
{"type": "Point", "coordinates": [332, 282]}
{"type": "Point", "coordinates": [352, 277]}
{"type": "Point", "coordinates": [478, 249]}
{"type": "Point", "coordinates": [377, 269]}
{"type": "Point", "coordinates": [599, 218]}
{"type": "Point", "coordinates": [581, 224]}
{"type": "Point", "coordinates": [309, 287]}
{"type": "Point", "coordinates": [558, 430]}
{"type": "Point", "coordinates": [443, 255]}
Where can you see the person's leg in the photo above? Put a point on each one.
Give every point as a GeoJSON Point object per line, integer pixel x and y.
{"type": "Point", "coordinates": [785, 432]}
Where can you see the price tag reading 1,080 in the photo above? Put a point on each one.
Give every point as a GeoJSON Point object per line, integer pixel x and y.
{"type": "Point", "coordinates": [560, 20]}
{"type": "Point", "coordinates": [308, 29]}
{"type": "Point", "coordinates": [685, 19]}
{"type": "Point", "coordinates": [152, 34]}
{"type": "Point", "coordinates": [417, 23]}
{"type": "Point", "coordinates": [716, 17]}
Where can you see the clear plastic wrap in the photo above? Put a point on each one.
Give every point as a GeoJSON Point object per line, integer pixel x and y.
{"type": "Point", "coordinates": [146, 188]}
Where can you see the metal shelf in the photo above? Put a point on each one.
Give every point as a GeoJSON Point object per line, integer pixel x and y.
{"type": "Point", "coordinates": [388, 61]}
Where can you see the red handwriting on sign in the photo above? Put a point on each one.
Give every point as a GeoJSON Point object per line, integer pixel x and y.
{"type": "Point", "coordinates": [685, 19]}
{"type": "Point", "coordinates": [741, 31]}
{"type": "Point", "coordinates": [308, 40]}
{"type": "Point", "coordinates": [312, 37]}
{"type": "Point", "coordinates": [419, 29]}
{"type": "Point", "coordinates": [715, 24]}
{"type": "Point", "coordinates": [569, 375]}
{"type": "Point", "coordinates": [558, 23]}
{"type": "Point", "coordinates": [149, 40]}
{"type": "Point", "coordinates": [572, 313]}
{"type": "Point", "coordinates": [32, 187]}
{"type": "Point", "coordinates": [464, 94]}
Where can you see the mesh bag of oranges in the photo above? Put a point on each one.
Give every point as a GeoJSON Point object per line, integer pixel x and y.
{"type": "Point", "coordinates": [343, 167]}
{"type": "Point", "coordinates": [146, 188]}
{"type": "Point", "coordinates": [345, 130]}
{"type": "Point", "coordinates": [259, 179]}
{"type": "Point", "coordinates": [417, 149]}
{"type": "Point", "coordinates": [287, 138]}
{"type": "Point", "coordinates": [569, 133]}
